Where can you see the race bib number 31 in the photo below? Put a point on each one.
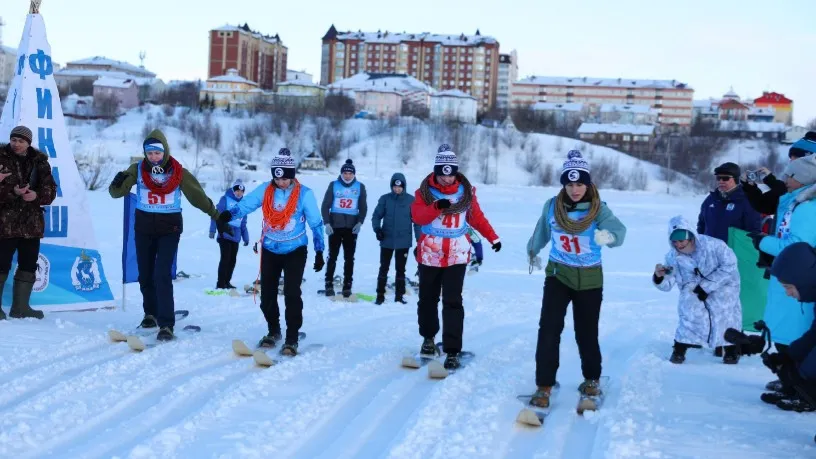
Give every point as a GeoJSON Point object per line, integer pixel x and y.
{"type": "Point", "coordinates": [571, 244]}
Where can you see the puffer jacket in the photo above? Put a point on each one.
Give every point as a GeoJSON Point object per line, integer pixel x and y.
{"type": "Point", "coordinates": [239, 226]}
{"type": "Point", "coordinates": [713, 267]}
{"type": "Point", "coordinates": [786, 317]}
{"type": "Point", "coordinates": [19, 218]}
{"type": "Point", "coordinates": [393, 216]}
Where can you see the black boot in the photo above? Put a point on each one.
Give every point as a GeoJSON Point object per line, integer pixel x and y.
{"type": "Point", "coordinates": [452, 361]}
{"type": "Point", "coordinates": [329, 289]}
{"type": "Point", "coordinates": [679, 353]}
{"type": "Point", "coordinates": [381, 281]}
{"type": "Point", "coordinates": [290, 349]}
{"type": "Point", "coordinates": [731, 354]}
{"type": "Point", "coordinates": [148, 322]}
{"type": "Point", "coordinates": [270, 340]}
{"type": "Point", "coordinates": [21, 295]}
{"type": "Point", "coordinates": [399, 287]}
{"type": "Point", "coordinates": [165, 334]}
{"type": "Point", "coordinates": [428, 347]}
{"type": "Point", "coordinates": [3, 277]}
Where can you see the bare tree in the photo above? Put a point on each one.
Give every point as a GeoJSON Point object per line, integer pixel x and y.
{"type": "Point", "coordinates": [95, 166]}
{"type": "Point", "coordinates": [811, 126]}
{"type": "Point", "coordinates": [106, 105]}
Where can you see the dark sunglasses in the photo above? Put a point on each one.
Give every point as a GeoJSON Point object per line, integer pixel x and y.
{"type": "Point", "coordinates": [724, 178]}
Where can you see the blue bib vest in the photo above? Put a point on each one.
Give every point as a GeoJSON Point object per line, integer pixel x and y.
{"type": "Point", "coordinates": [576, 250]}
{"type": "Point", "coordinates": [295, 227]}
{"type": "Point", "coordinates": [448, 225]}
{"type": "Point", "coordinates": [149, 201]}
{"type": "Point", "coordinates": [346, 198]}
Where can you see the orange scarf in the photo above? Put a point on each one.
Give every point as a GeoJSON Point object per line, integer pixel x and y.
{"type": "Point", "coordinates": [275, 219]}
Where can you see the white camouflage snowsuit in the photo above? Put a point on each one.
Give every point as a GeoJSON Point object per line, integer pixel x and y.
{"type": "Point", "coordinates": [712, 266]}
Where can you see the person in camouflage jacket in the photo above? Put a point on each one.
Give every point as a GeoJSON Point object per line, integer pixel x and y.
{"type": "Point", "coordinates": [26, 184]}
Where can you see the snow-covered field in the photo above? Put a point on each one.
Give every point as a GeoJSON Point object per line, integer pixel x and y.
{"type": "Point", "coordinates": [67, 392]}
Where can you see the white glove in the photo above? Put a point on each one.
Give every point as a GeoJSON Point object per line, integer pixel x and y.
{"type": "Point", "coordinates": [356, 228]}
{"type": "Point", "coordinates": [329, 230]}
{"type": "Point", "coordinates": [535, 261]}
{"type": "Point", "coordinates": [604, 237]}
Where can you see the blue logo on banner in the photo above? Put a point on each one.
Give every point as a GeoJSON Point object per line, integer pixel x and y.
{"type": "Point", "coordinates": [86, 273]}
{"type": "Point", "coordinates": [41, 64]}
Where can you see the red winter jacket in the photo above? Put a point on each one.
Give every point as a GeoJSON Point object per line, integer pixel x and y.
{"type": "Point", "coordinates": [444, 251]}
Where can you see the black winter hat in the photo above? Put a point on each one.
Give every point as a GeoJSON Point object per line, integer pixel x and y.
{"type": "Point", "coordinates": [796, 265]}
{"type": "Point", "coordinates": [348, 167]}
{"type": "Point", "coordinates": [730, 169]}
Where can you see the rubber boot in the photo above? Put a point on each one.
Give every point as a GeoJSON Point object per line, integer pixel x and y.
{"type": "Point", "coordinates": [3, 277]}
{"type": "Point", "coordinates": [21, 295]}
{"type": "Point", "coordinates": [381, 290]}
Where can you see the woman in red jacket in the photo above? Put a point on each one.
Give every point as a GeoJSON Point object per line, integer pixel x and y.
{"type": "Point", "coordinates": [445, 206]}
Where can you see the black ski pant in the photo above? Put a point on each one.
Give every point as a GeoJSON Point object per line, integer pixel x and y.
{"type": "Point", "coordinates": [348, 240]}
{"type": "Point", "coordinates": [292, 265]}
{"type": "Point", "coordinates": [28, 252]}
{"type": "Point", "coordinates": [586, 311]}
{"type": "Point", "coordinates": [226, 266]}
{"type": "Point", "coordinates": [399, 265]}
{"type": "Point", "coordinates": [448, 282]}
{"type": "Point", "coordinates": [154, 257]}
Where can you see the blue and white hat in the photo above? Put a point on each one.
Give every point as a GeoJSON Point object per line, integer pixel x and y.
{"type": "Point", "coordinates": [238, 185]}
{"type": "Point", "coordinates": [804, 146]}
{"type": "Point", "coordinates": [575, 169]}
{"type": "Point", "coordinates": [446, 162]}
{"type": "Point", "coordinates": [283, 165]}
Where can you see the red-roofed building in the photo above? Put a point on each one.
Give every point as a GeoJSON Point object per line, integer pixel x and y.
{"type": "Point", "coordinates": [782, 105]}
{"type": "Point", "coordinates": [733, 110]}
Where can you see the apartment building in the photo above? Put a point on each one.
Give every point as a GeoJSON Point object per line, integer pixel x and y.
{"type": "Point", "coordinates": [508, 74]}
{"type": "Point", "coordinates": [257, 57]}
{"type": "Point", "coordinates": [672, 99]}
{"type": "Point", "coordinates": [469, 63]}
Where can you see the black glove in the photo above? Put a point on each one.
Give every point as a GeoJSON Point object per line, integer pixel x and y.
{"type": "Point", "coordinates": [255, 247]}
{"type": "Point", "coordinates": [701, 294]}
{"type": "Point", "coordinates": [119, 179]}
{"type": "Point", "coordinates": [319, 262]}
{"type": "Point", "coordinates": [496, 247]}
{"type": "Point", "coordinates": [442, 204]}
{"type": "Point", "coordinates": [756, 238]}
{"type": "Point", "coordinates": [246, 243]}
{"type": "Point", "coordinates": [222, 223]}
{"type": "Point", "coordinates": [380, 235]}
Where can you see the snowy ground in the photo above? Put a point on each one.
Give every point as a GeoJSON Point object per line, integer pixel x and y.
{"type": "Point", "coordinates": [69, 393]}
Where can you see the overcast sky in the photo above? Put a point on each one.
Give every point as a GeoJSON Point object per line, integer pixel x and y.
{"type": "Point", "coordinates": [752, 45]}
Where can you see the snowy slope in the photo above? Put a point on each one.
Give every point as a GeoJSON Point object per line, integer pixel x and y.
{"type": "Point", "coordinates": [377, 149]}
{"type": "Point", "coordinates": [69, 393]}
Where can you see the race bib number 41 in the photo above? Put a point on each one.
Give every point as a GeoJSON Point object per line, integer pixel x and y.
{"type": "Point", "coordinates": [571, 244]}
{"type": "Point", "coordinates": [450, 221]}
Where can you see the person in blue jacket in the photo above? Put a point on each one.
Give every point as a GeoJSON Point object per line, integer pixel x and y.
{"type": "Point", "coordinates": [795, 267]}
{"type": "Point", "coordinates": [727, 206]}
{"type": "Point", "coordinates": [392, 225]}
{"type": "Point", "coordinates": [786, 317]}
{"type": "Point", "coordinates": [229, 242]}
{"type": "Point", "coordinates": [288, 208]}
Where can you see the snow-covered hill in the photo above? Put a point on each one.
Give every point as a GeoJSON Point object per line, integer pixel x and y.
{"type": "Point", "coordinates": [378, 148]}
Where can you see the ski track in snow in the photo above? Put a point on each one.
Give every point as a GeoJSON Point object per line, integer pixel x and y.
{"type": "Point", "coordinates": [69, 393]}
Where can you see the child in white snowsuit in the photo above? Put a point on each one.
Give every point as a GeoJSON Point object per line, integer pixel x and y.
{"type": "Point", "coordinates": [704, 269]}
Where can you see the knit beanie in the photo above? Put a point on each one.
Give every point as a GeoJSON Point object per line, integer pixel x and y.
{"type": "Point", "coordinates": [796, 265]}
{"type": "Point", "coordinates": [803, 170]}
{"type": "Point", "coordinates": [22, 132]}
{"type": "Point", "coordinates": [446, 162]}
{"type": "Point", "coordinates": [283, 165]}
{"type": "Point", "coordinates": [348, 167]}
{"type": "Point", "coordinates": [729, 169]}
{"type": "Point", "coordinates": [238, 185]}
{"type": "Point", "coordinates": [804, 146]}
{"type": "Point", "coordinates": [575, 169]}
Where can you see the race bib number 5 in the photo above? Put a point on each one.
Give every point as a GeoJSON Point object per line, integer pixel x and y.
{"type": "Point", "coordinates": [575, 245]}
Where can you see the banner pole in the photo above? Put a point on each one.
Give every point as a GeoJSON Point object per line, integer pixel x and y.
{"type": "Point", "coordinates": [124, 308]}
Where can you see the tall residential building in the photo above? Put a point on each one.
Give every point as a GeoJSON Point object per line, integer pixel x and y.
{"type": "Point", "coordinates": [8, 59]}
{"type": "Point", "coordinates": [781, 105]}
{"type": "Point", "coordinates": [469, 63]}
{"type": "Point", "coordinates": [672, 99]}
{"type": "Point", "coordinates": [508, 74]}
{"type": "Point", "coordinates": [257, 57]}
